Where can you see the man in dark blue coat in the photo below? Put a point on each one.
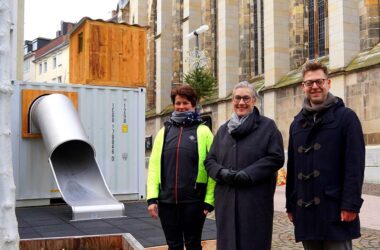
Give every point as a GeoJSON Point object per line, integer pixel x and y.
{"type": "Point", "coordinates": [325, 167]}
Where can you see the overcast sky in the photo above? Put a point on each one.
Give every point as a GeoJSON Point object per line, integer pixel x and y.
{"type": "Point", "coordinates": [43, 17]}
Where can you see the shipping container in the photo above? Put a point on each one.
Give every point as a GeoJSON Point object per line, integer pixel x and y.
{"type": "Point", "coordinates": [114, 121]}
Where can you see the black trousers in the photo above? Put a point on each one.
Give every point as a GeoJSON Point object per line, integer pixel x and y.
{"type": "Point", "coordinates": [182, 224]}
{"type": "Point", "coordinates": [327, 245]}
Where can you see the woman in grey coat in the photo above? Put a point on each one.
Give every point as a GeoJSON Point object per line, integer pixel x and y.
{"type": "Point", "coordinates": [246, 153]}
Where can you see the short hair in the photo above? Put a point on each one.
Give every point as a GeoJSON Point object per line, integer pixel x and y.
{"type": "Point", "coordinates": [245, 84]}
{"type": "Point", "coordinates": [313, 66]}
{"type": "Point", "coordinates": [184, 91]}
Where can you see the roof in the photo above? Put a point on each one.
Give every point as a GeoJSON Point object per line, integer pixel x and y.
{"type": "Point", "coordinates": [112, 20]}
{"type": "Point", "coordinates": [29, 55]}
{"type": "Point", "coordinates": [54, 44]}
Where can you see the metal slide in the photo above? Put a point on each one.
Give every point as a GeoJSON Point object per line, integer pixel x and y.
{"type": "Point", "coordinates": [72, 159]}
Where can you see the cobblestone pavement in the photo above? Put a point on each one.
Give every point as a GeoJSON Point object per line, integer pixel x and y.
{"type": "Point", "coordinates": [283, 237]}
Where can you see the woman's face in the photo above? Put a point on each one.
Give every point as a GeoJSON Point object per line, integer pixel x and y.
{"type": "Point", "coordinates": [181, 104]}
{"type": "Point", "coordinates": [243, 101]}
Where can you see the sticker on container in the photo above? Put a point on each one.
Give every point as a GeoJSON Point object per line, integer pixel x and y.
{"type": "Point", "coordinates": [124, 128]}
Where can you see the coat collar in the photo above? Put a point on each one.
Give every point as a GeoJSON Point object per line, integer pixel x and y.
{"type": "Point", "coordinates": [252, 123]}
{"type": "Point", "coordinates": [325, 117]}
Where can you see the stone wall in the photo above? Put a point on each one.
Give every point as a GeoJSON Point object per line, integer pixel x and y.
{"type": "Point", "coordinates": [369, 23]}
{"type": "Point", "coordinates": [209, 38]}
{"type": "Point", "coordinates": [177, 16]}
{"type": "Point", "coordinates": [363, 91]}
{"type": "Point", "coordinates": [297, 34]}
{"type": "Point", "coordinates": [288, 102]}
{"type": "Point", "coordinates": [360, 89]}
{"type": "Point", "coordinates": [151, 56]}
{"type": "Point", "coordinates": [250, 39]}
{"type": "Point", "coordinates": [362, 94]}
{"type": "Point", "coordinates": [245, 39]}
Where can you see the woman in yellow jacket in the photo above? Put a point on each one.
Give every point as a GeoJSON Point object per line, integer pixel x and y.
{"type": "Point", "coordinates": [179, 190]}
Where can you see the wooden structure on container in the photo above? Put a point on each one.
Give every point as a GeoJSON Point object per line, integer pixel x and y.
{"type": "Point", "coordinates": [108, 54]}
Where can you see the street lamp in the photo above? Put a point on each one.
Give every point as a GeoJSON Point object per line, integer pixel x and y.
{"type": "Point", "coordinates": [195, 33]}
{"type": "Point", "coordinates": [199, 78]}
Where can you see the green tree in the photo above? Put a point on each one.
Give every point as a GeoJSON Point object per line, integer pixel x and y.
{"type": "Point", "coordinates": [202, 81]}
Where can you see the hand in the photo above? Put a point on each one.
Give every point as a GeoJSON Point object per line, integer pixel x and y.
{"type": "Point", "coordinates": [348, 216]}
{"type": "Point", "coordinates": [242, 178]}
{"type": "Point", "coordinates": [205, 212]}
{"type": "Point", "coordinates": [153, 211]}
{"type": "Point", "coordinates": [227, 175]}
{"type": "Point", "coordinates": [290, 217]}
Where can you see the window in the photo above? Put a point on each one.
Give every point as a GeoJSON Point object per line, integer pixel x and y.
{"type": "Point", "coordinates": [35, 46]}
{"type": "Point", "coordinates": [54, 62]}
{"type": "Point", "coordinates": [59, 60]}
{"type": "Point", "coordinates": [311, 29]}
{"type": "Point", "coordinates": [40, 68]}
{"type": "Point", "coordinates": [59, 79]}
{"type": "Point", "coordinates": [26, 66]}
{"type": "Point", "coordinates": [256, 38]}
{"type": "Point", "coordinates": [317, 16]}
{"type": "Point", "coordinates": [321, 27]}
{"type": "Point", "coordinates": [45, 66]}
{"type": "Point", "coordinates": [80, 42]}
{"type": "Point", "coordinates": [262, 35]}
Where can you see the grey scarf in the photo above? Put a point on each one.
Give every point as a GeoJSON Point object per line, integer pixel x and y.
{"type": "Point", "coordinates": [330, 101]}
{"type": "Point", "coordinates": [236, 122]}
{"type": "Point", "coordinates": [185, 118]}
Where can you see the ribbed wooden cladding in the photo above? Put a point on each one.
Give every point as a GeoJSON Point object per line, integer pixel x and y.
{"type": "Point", "coordinates": [29, 96]}
{"type": "Point", "coordinates": [108, 54]}
{"type": "Point", "coordinates": [115, 242]}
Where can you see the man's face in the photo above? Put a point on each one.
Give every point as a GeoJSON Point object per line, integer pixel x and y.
{"type": "Point", "coordinates": [316, 86]}
{"type": "Point", "coordinates": [243, 101]}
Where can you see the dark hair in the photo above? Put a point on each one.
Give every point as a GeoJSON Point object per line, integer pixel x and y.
{"type": "Point", "coordinates": [184, 91]}
{"type": "Point", "coordinates": [313, 66]}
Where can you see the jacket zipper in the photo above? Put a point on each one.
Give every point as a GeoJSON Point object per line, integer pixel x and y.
{"type": "Point", "coordinates": [176, 167]}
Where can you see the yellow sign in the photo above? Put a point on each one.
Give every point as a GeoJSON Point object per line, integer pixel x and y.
{"type": "Point", "coordinates": [124, 128]}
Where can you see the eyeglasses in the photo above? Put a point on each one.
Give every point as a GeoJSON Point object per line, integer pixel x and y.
{"type": "Point", "coordinates": [238, 98]}
{"type": "Point", "coordinates": [310, 83]}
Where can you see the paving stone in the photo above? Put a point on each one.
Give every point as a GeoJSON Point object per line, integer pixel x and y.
{"type": "Point", "coordinates": [148, 231]}
{"type": "Point", "coordinates": [283, 236]}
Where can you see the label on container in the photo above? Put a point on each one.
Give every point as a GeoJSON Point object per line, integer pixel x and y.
{"type": "Point", "coordinates": [124, 128]}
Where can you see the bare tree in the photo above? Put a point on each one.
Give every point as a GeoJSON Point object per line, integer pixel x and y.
{"type": "Point", "coordinates": [9, 238]}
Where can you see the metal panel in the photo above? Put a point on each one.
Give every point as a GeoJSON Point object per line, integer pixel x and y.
{"type": "Point", "coordinates": [72, 159]}
{"type": "Point", "coordinates": [114, 120]}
